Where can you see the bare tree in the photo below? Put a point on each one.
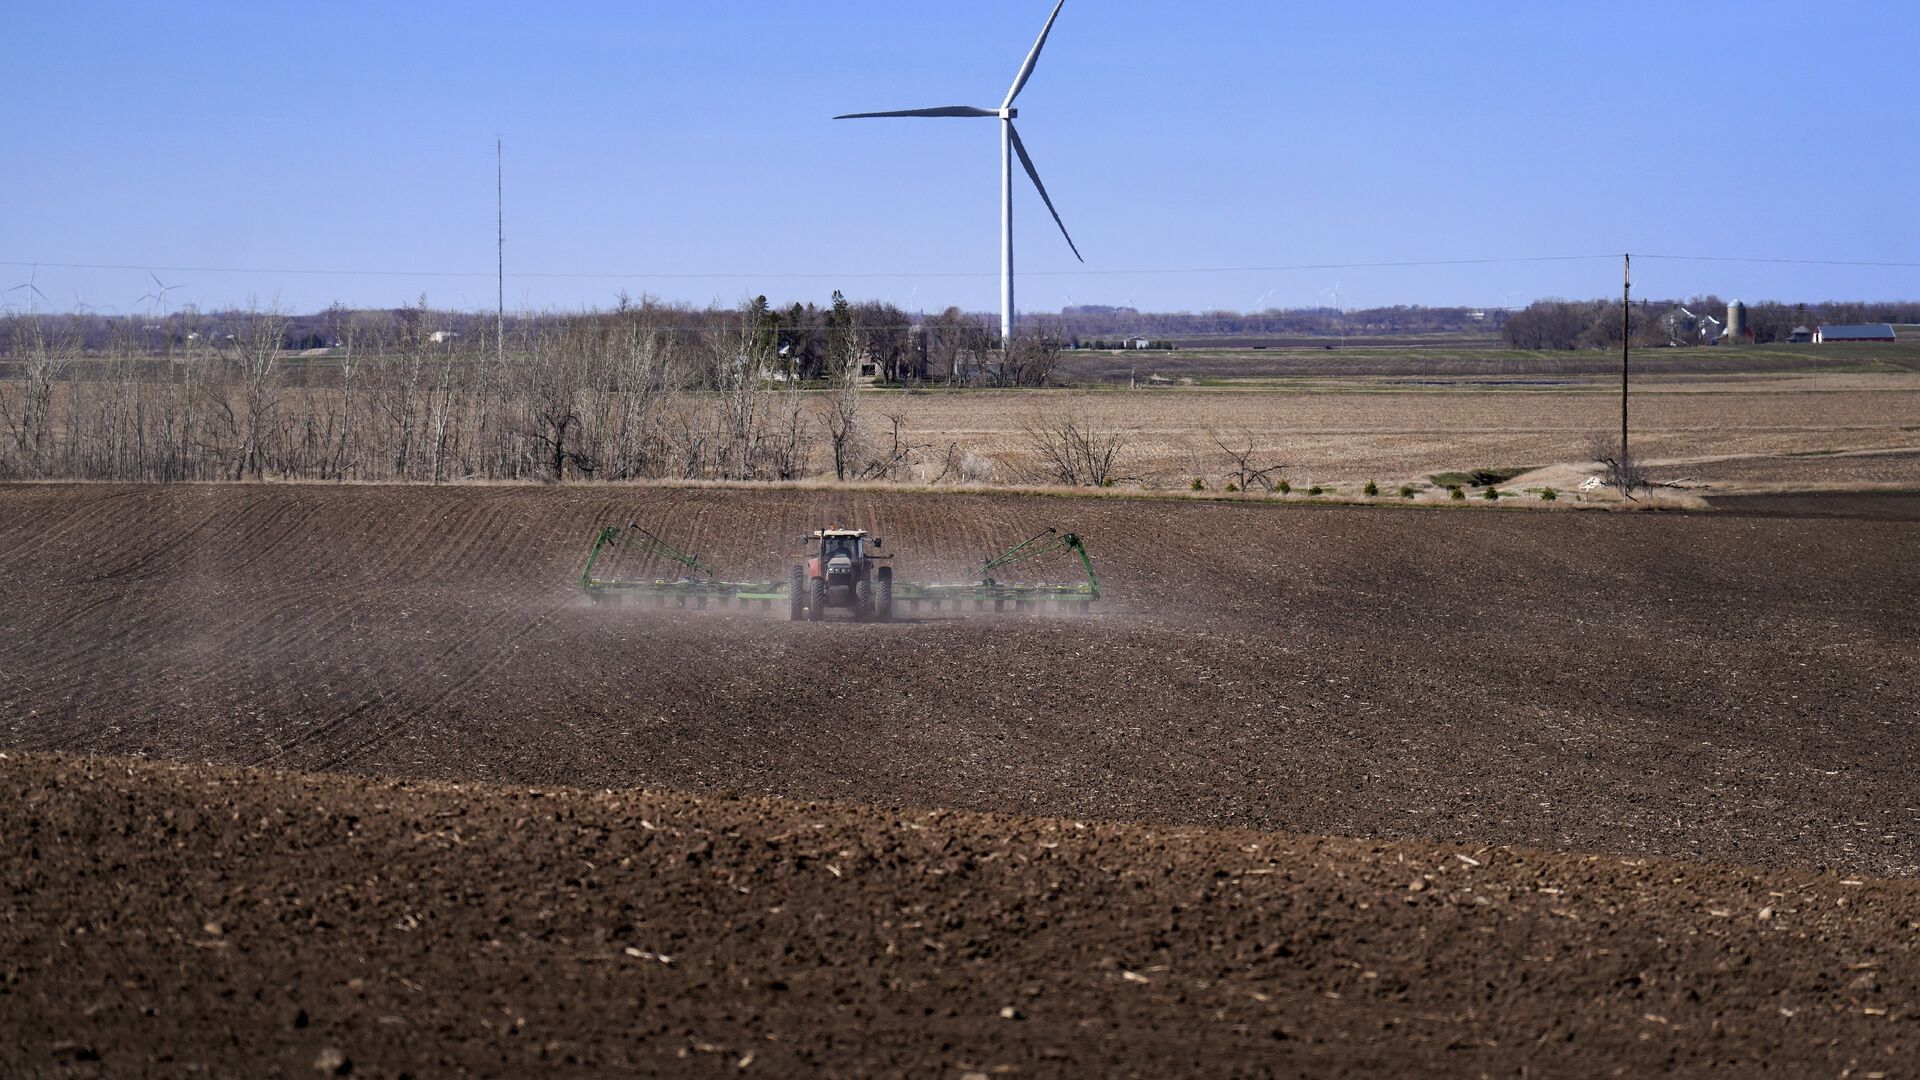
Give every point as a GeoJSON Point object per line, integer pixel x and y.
{"type": "Point", "coordinates": [257, 353]}
{"type": "Point", "coordinates": [889, 461]}
{"type": "Point", "coordinates": [1241, 466]}
{"type": "Point", "coordinates": [846, 343]}
{"type": "Point", "coordinates": [30, 414]}
{"type": "Point", "coordinates": [1074, 451]}
{"type": "Point", "coordinates": [1622, 472]}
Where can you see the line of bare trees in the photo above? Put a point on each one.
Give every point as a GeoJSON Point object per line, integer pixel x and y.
{"type": "Point", "coordinates": [1596, 324]}
{"type": "Point", "coordinates": [640, 392]}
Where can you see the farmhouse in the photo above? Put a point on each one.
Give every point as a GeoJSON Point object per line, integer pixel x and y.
{"type": "Point", "coordinates": [1137, 343]}
{"type": "Point", "coordinates": [1860, 332]}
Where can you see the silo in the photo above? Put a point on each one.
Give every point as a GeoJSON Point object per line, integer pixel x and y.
{"type": "Point", "coordinates": [1737, 322]}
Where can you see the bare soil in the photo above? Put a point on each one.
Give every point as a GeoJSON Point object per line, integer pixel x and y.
{"type": "Point", "coordinates": [187, 920]}
{"type": "Point", "coordinates": [1733, 689]}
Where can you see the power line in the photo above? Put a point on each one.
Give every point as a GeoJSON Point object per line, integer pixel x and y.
{"type": "Point", "coordinates": [1785, 262]}
{"type": "Point", "coordinates": [665, 276]}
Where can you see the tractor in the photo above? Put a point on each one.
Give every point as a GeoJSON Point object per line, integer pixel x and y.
{"type": "Point", "coordinates": [844, 570]}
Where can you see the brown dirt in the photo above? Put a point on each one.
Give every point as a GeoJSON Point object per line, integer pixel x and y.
{"type": "Point", "coordinates": [176, 920]}
{"type": "Point", "coordinates": [1803, 428]}
{"type": "Point", "coordinates": [1721, 686]}
{"type": "Point", "coordinates": [1735, 687]}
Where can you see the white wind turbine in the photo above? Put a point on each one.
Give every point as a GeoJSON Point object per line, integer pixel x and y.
{"type": "Point", "coordinates": [163, 289]}
{"type": "Point", "coordinates": [1010, 145]}
{"type": "Point", "coordinates": [32, 287]}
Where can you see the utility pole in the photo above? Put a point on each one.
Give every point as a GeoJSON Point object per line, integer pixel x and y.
{"type": "Point", "coordinates": [1626, 347]}
{"type": "Point", "coordinates": [499, 254]}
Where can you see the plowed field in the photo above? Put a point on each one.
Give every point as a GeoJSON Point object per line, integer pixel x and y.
{"type": "Point", "coordinates": [1732, 687]}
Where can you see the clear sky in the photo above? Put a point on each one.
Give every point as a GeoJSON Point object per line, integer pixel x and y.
{"type": "Point", "coordinates": [684, 150]}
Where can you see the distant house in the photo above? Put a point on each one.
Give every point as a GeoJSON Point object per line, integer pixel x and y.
{"type": "Point", "coordinates": [439, 336]}
{"type": "Point", "coordinates": [1862, 332]}
{"type": "Point", "coordinates": [1800, 335]}
{"type": "Point", "coordinates": [1137, 343]}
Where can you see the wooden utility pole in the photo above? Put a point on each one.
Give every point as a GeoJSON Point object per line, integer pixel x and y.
{"type": "Point", "coordinates": [1626, 347]}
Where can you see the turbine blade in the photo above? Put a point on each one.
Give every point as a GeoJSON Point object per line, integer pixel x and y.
{"type": "Point", "coordinates": [944, 110]}
{"type": "Point", "coordinates": [1034, 174]}
{"type": "Point", "coordinates": [1026, 69]}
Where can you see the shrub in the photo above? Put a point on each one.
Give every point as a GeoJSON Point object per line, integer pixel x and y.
{"type": "Point", "coordinates": [1491, 494]}
{"type": "Point", "coordinates": [1547, 495]}
{"type": "Point", "coordinates": [1231, 486]}
{"type": "Point", "coordinates": [1406, 491]}
{"type": "Point", "coordinates": [1314, 490]}
{"type": "Point", "coordinates": [1454, 492]}
{"type": "Point", "coordinates": [1198, 484]}
{"type": "Point", "coordinates": [1284, 488]}
{"type": "Point", "coordinates": [1371, 489]}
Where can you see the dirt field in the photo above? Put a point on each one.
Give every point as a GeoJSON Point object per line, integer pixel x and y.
{"type": "Point", "coordinates": [1735, 687]}
{"type": "Point", "coordinates": [1733, 432]}
{"type": "Point", "coordinates": [173, 920]}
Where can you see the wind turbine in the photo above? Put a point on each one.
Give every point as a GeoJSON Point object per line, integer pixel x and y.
{"type": "Point", "coordinates": [1010, 145]}
{"type": "Point", "coordinates": [162, 294]}
{"type": "Point", "coordinates": [33, 289]}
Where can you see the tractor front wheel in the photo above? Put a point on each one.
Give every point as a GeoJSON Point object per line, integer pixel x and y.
{"type": "Point", "coordinates": [817, 607]}
{"type": "Point", "coordinates": [797, 593]}
{"type": "Point", "coordinates": [883, 603]}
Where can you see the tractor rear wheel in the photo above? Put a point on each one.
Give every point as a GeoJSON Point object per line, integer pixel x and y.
{"type": "Point", "coordinates": [817, 606]}
{"type": "Point", "coordinates": [797, 594]}
{"type": "Point", "coordinates": [883, 603]}
{"type": "Point", "coordinates": [863, 600]}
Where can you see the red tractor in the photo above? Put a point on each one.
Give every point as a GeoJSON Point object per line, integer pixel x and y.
{"type": "Point", "coordinates": [842, 572]}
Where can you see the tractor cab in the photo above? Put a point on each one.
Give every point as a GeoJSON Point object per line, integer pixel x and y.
{"type": "Point", "coordinates": [841, 550]}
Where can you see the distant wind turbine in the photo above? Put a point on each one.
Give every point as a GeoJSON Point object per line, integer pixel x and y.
{"type": "Point", "coordinates": [31, 285]}
{"type": "Point", "coordinates": [161, 295]}
{"type": "Point", "coordinates": [1335, 292]}
{"type": "Point", "coordinates": [1010, 145]}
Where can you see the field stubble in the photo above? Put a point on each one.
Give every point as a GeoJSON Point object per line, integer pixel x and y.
{"type": "Point", "coordinates": [1731, 432]}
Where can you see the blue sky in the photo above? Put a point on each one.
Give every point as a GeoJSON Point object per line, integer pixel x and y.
{"type": "Point", "coordinates": [685, 151]}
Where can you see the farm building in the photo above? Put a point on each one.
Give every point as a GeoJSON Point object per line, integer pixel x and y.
{"type": "Point", "coordinates": [1860, 332]}
{"type": "Point", "coordinates": [1137, 343]}
{"type": "Point", "coordinates": [1800, 334]}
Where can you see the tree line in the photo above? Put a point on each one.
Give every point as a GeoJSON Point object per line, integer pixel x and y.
{"type": "Point", "coordinates": [644, 391]}
{"type": "Point", "coordinates": [1598, 324]}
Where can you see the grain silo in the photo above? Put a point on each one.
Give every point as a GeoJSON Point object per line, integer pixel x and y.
{"type": "Point", "coordinates": [1737, 331]}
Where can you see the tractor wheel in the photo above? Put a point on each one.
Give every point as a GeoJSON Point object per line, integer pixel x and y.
{"type": "Point", "coordinates": [817, 606]}
{"type": "Point", "coordinates": [863, 601]}
{"type": "Point", "coordinates": [797, 594]}
{"type": "Point", "coordinates": [883, 601]}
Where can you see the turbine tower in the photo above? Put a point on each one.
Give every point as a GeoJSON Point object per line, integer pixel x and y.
{"type": "Point", "coordinates": [1010, 146]}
